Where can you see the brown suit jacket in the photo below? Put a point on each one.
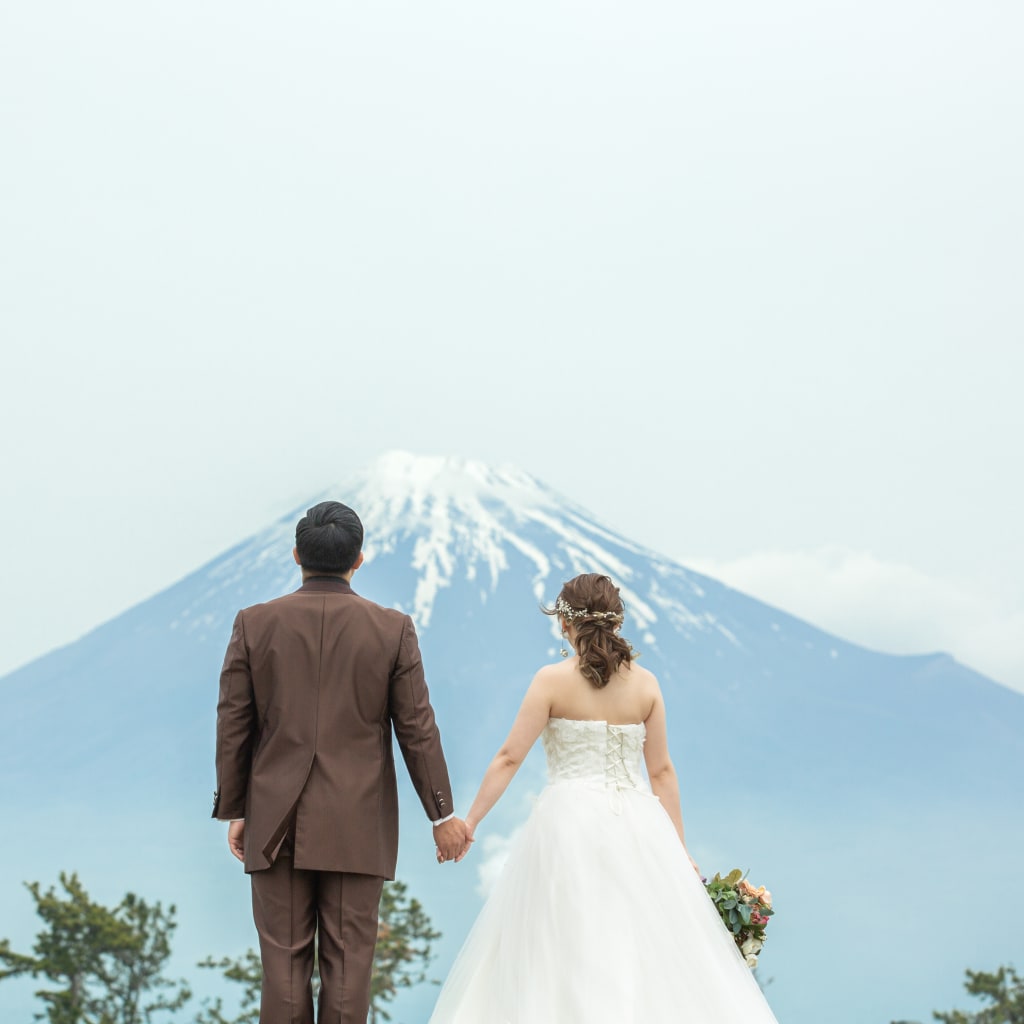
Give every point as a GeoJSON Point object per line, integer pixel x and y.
{"type": "Point", "coordinates": [312, 685]}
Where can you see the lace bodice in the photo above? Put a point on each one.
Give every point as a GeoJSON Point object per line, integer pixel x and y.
{"type": "Point", "coordinates": [595, 752]}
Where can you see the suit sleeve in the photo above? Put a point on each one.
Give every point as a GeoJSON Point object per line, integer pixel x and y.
{"type": "Point", "coordinates": [236, 727]}
{"type": "Point", "coordinates": [416, 730]}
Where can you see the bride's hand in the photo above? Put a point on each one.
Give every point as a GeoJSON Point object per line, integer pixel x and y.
{"type": "Point", "coordinates": [694, 865]}
{"type": "Point", "coordinates": [470, 829]}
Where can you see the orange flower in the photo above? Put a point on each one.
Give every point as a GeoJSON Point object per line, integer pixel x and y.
{"type": "Point", "coordinates": [760, 893]}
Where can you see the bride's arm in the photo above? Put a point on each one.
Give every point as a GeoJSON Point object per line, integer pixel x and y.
{"type": "Point", "coordinates": [660, 770]}
{"type": "Point", "coordinates": [530, 721]}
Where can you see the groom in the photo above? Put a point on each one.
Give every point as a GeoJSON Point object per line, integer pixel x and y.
{"type": "Point", "coordinates": [312, 685]}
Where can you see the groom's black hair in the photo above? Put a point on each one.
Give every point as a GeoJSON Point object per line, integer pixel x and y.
{"type": "Point", "coordinates": [329, 538]}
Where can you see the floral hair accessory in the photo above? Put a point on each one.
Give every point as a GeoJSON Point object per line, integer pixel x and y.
{"type": "Point", "coordinates": [567, 611]}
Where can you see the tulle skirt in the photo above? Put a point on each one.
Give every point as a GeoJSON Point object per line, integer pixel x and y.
{"type": "Point", "coordinates": [598, 917]}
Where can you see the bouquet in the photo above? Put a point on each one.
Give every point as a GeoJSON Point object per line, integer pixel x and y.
{"type": "Point", "coordinates": [744, 910]}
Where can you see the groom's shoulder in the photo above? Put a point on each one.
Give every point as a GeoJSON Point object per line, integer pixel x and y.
{"type": "Point", "coordinates": [261, 606]}
{"type": "Point", "coordinates": [274, 608]}
{"type": "Point", "coordinates": [394, 616]}
{"type": "Point", "coordinates": [352, 604]}
{"type": "Point", "coordinates": [349, 600]}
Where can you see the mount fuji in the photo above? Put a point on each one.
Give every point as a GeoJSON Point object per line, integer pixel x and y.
{"type": "Point", "coordinates": [878, 797]}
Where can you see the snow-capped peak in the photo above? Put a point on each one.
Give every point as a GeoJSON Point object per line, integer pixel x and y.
{"type": "Point", "coordinates": [464, 516]}
{"type": "Point", "coordinates": [400, 488]}
{"type": "Point", "coordinates": [435, 522]}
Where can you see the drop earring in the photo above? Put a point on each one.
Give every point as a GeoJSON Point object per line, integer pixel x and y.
{"type": "Point", "coordinates": [563, 652]}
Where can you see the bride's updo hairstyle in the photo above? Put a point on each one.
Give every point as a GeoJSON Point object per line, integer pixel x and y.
{"type": "Point", "coordinates": [591, 603]}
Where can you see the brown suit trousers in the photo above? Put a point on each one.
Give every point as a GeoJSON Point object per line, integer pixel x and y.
{"type": "Point", "coordinates": [312, 686]}
{"type": "Point", "coordinates": [291, 909]}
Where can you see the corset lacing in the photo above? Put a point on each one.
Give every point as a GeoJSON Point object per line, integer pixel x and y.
{"type": "Point", "coordinates": [617, 775]}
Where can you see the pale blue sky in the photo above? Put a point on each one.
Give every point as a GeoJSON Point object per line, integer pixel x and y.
{"type": "Point", "coordinates": [743, 279]}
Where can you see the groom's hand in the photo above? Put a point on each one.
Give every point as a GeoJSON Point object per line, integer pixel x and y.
{"type": "Point", "coordinates": [450, 838]}
{"type": "Point", "coordinates": [236, 839]}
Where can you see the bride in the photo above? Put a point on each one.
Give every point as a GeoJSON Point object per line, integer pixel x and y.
{"type": "Point", "coordinates": [599, 914]}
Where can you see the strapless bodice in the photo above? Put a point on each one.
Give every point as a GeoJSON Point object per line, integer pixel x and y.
{"type": "Point", "coordinates": [595, 752]}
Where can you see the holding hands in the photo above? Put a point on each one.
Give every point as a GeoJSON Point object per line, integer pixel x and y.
{"type": "Point", "coordinates": [452, 839]}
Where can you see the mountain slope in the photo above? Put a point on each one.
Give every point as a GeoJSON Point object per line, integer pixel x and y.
{"type": "Point", "coordinates": [802, 757]}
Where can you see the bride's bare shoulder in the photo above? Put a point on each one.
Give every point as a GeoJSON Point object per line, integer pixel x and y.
{"type": "Point", "coordinates": [644, 680]}
{"type": "Point", "coordinates": [555, 670]}
{"type": "Point", "coordinates": [638, 673]}
{"type": "Point", "coordinates": [548, 681]}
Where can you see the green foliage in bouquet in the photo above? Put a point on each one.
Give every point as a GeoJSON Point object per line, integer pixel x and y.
{"type": "Point", "coordinates": [744, 910]}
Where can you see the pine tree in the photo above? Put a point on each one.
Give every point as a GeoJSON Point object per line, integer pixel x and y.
{"type": "Point", "coordinates": [404, 937]}
{"type": "Point", "coordinates": [106, 964]}
{"type": "Point", "coordinates": [1004, 990]}
{"type": "Point", "coordinates": [247, 971]}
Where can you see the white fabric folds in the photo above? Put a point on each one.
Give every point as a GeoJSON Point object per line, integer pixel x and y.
{"type": "Point", "coordinates": [598, 915]}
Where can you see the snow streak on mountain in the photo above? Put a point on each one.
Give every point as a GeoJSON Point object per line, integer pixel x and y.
{"type": "Point", "coordinates": [459, 521]}
{"type": "Point", "coordinates": [839, 776]}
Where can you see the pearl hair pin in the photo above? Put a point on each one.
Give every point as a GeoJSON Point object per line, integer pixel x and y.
{"type": "Point", "coordinates": [569, 613]}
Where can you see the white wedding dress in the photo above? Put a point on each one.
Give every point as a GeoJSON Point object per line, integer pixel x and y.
{"type": "Point", "coordinates": [598, 916]}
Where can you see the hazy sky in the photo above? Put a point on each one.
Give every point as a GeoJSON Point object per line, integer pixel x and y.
{"type": "Point", "coordinates": [741, 278]}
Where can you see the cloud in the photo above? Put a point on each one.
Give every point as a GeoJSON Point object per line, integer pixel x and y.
{"type": "Point", "coordinates": [494, 854]}
{"type": "Point", "coordinates": [887, 606]}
